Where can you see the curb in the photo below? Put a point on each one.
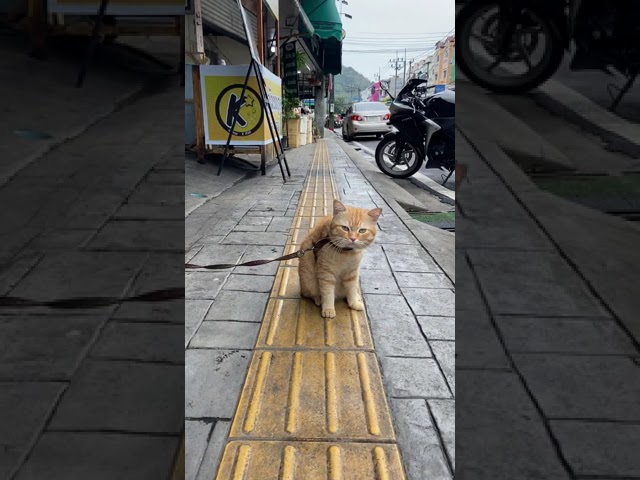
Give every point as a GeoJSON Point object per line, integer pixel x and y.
{"type": "Point", "coordinates": [621, 135]}
{"type": "Point", "coordinates": [422, 181]}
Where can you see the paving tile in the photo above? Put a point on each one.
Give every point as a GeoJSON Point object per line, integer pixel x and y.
{"type": "Point", "coordinates": [260, 253]}
{"type": "Point", "coordinates": [413, 377]}
{"type": "Point", "coordinates": [418, 441]}
{"type": "Point", "coordinates": [394, 327]}
{"type": "Point", "coordinates": [240, 306]}
{"type": "Point", "coordinates": [262, 221]}
{"type": "Point", "coordinates": [24, 409]}
{"type": "Point", "coordinates": [583, 386]}
{"type": "Point", "coordinates": [533, 283]}
{"type": "Point", "coordinates": [194, 312]}
{"type": "Point", "coordinates": [438, 328]}
{"type": "Point", "coordinates": [210, 254]}
{"type": "Point", "coordinates": [478, 344]}
{"type": "Point", "coordinates": [204, 285]}
{"type": "Point", "coordinates": [444, 412]}
{"type": "Point", "coordinates": [221, 334]}
{"type": "Point", "coordinates": [355, 461]}
{"type": "Point", "coordinates": [139, 235]}
{"type": "Point", "coordinates": [280, 224]}
{"type": "Point", "coordinates": [423, 280]}
{"type": "Point", "coordinates": [500, 422]}
{"type": "Point", "coordinates": [44, 347]}
{"type": "Point", "coordinates": [140, 341]}
{"type": "Point", "coordinates": [431, 301]}
{"type": "Point", "coordinates": [249, 283]}
{"type": "Point", "coordinates": [445, 353]}
{"type": "Point", "coordinates": [255, 238]}
{"type": "Point", "coordinates": [573, 335]}
{"type": "Point", "coordinates": [213, 453]}
{"type": "Point", "coordinates": [374, 259]}
{"type": "Point", "coordinates": [599, 449]}
{"type": "Point", "coordinates": [333, 395]}
{"type": "Point", "coordinates": [250, 228]}
{"type": "Point", "coordinates": [378, 281]}
{"type": "Point", "coordinates": [196, 436]}
{"type": "Point", "coordinates": [63, 456]}
{"type": "Point", "coordinates": [204, 368]}
{"type": "Point", "coordinates": [125, 396]}
{"type": "Point", "coordinates": [410, 258]}
{"type": "Point", "coordinates": [398, 237]}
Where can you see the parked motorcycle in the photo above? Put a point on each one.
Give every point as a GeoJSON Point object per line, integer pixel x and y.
{"type": "Point", "coordinates": [512, 46]}
{"type": "Point", "coordinates": [425, 130]}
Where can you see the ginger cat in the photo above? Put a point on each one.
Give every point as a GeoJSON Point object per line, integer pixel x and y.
{"type": "Point", "coordinates": [334, 271]}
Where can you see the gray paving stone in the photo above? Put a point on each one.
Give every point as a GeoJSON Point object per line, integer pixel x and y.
{"type": "Point", "coordinates": [413, 377]}
{"type": "Point", "coordinates": [478, 343]}
{"type": "Point", "coordinates": [63, 456]}
{"type": "Point", "coordinates": [213, 453]}
{"type": "Point", "coordinates": [583, 386]}
{"type": "Point", "coordinates": [533, 283]}
{"type": "Point", "coordinates": [259, 253]}
{"type": "Point", "coordinates": [444, 412]}
{"type": "Point", "coordinates": [262, 221]}
{"type": "Point", "coordinates": [44, 347]}
{"type": "Point", "coordinates": [239, 306]}
{"type": "Point", "coordinates": [431, 301]}
{"type": "Point", "coordinates": [250, 228]}
{"type": "Point", "coordinates": [418, 441]}
{"type": "Point", "coordinates": [124, 396]}
{"type": "Point", "coordinates": [438, 328]}
{"type": "Point", "coordinates": [140, 341]}
{"type": "Point", "coordinates": [423, 280]}
{"type": "Point", "coordinates": [221, 334]}
{"type": "Point", "coordinates": [394, 327]}
{"type": "Point", "coordinates": [374, 259]}
{"type": "Point", "coordinates": [255, 238]}
{"type": "Point", "coordinates": [24, 409]}
{"type": "Point", "coordinates": [599, 449]}
{"type": "Point", "coordinates": [573, 335]}
{"type": "Point", "coordinates": [280, 224]}
{"type": "Point", "coordinates": [139, 235]}
{"type": "Point", "coordinates": [445, 353]}
{"type": "Point", "coordinates": [378, 281]}
{"type": "Point", "coordinates": [196, 436]}
{"type": "Point", "coordinates": [211, 254]}
{"type": "Point", "coordinates": [502, 428]}
{"type": "Point", "coordinates": [249, 283]}
{"type": "Point", "coordinates": [385, 237]}
{"type": "Point", "coordinates": [410, 258]}
{"type": "Point", "coordinates": [192, 252]}
{"type": "Point", "coordinates": [204, 285]}
{"type": "Point", "coordinates": [194, 312]}
{"type": "Point", "coordinates": [205, 368]}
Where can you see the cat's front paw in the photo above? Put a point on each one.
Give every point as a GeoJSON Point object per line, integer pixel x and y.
{"type": "Point", "coordinates": [357, 305]}
{"type": "Point", "coordinates": [328, 312]}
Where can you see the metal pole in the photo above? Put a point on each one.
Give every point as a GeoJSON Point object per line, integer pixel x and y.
{"type": "Point", "coordinates": [404, 68]}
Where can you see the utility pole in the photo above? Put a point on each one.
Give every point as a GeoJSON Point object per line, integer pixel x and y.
{"type": "Point", "coordinates": [395, 63]}
{"type": "Point", "coordinates": [410, 64]}
{"type": "Point", "coordinates": [331, 103]}
{"type": "Point", "coordinates": [404, 69]}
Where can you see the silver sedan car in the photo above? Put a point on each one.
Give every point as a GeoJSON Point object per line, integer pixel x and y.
{"type": "Point", "coordinates": [366, 118]}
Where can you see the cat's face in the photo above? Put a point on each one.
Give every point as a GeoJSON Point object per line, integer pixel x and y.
{"type": "Point", "coordinates": [353, 228]}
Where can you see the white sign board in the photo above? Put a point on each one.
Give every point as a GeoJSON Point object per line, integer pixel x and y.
{"type": "Point", "coordinates": [119, 7]}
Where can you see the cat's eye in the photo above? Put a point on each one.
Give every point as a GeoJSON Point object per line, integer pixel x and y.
{"type": "Point", "coordinates": [362, 230]}
{"type": "Point", "coordinates": [346, 229]}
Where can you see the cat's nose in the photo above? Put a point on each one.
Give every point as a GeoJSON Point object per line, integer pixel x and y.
{"type": "Point", "coordinates": [352, 239]}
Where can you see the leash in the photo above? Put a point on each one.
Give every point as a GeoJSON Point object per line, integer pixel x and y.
{"type": "Point", "coordinates": [299, 254]}
{"type": "Point", "coordinates": [162, 295]}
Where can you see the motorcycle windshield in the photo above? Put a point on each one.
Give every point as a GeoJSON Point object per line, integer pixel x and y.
{"type": "Point", "coordinates": [407, 90]}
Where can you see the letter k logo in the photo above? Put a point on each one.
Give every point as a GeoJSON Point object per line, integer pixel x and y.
{"type": "Point", "coordinates": [233, 109]}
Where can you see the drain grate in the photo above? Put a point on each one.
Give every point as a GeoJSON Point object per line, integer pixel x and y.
{"type": "Point", "coordinates": [442, 220]}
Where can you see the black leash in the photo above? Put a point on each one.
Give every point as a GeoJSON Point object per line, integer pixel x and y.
{"type": "Point", "coordinates": [299, 254]}
{"type": "Point", "coordinates": [163, 295]}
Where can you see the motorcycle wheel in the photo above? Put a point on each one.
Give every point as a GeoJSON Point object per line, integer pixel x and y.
{"type": "Point", "coordinates": [537, 37]}
{"type": "Point", "coordinates": [411, 156]}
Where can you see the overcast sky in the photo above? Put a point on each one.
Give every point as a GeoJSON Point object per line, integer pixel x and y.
{"type": "Point", "coordinates": [390, 24]}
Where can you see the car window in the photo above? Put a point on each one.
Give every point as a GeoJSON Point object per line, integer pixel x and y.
{"type": "Point", "coordinates": [370, 107]}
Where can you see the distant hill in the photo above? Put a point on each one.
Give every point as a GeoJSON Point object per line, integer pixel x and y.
{"type": "Point", "coordinates": [349, 83]}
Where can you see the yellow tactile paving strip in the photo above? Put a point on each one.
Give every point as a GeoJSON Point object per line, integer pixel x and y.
{"type": "Point", "coordinates": [313, 404]}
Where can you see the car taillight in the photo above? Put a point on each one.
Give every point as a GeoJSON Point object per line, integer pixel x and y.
{"type": "Point", "coordinates": [387, 116]}
{"type": "Point", "coordinates": [357, 118]}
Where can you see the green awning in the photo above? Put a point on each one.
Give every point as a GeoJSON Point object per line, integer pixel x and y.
{"type": "Point", "coordinates": [327, 25]}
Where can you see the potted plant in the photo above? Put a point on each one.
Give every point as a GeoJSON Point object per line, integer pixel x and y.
{"type": "Point", "coordinates": [291, 117]}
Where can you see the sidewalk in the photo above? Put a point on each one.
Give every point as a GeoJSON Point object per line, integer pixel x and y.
{"type": "Point", "coordinates": [410, 309]}
{"type": "Point", "coordinates": [548, 352]}
{"type": "Point", "coordinates": [82, 389]}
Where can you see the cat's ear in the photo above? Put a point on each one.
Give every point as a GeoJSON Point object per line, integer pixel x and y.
{"type": "Point", "coordinates": [338, 207]}
{"type": "Point", "coordinates": [375, 213]}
